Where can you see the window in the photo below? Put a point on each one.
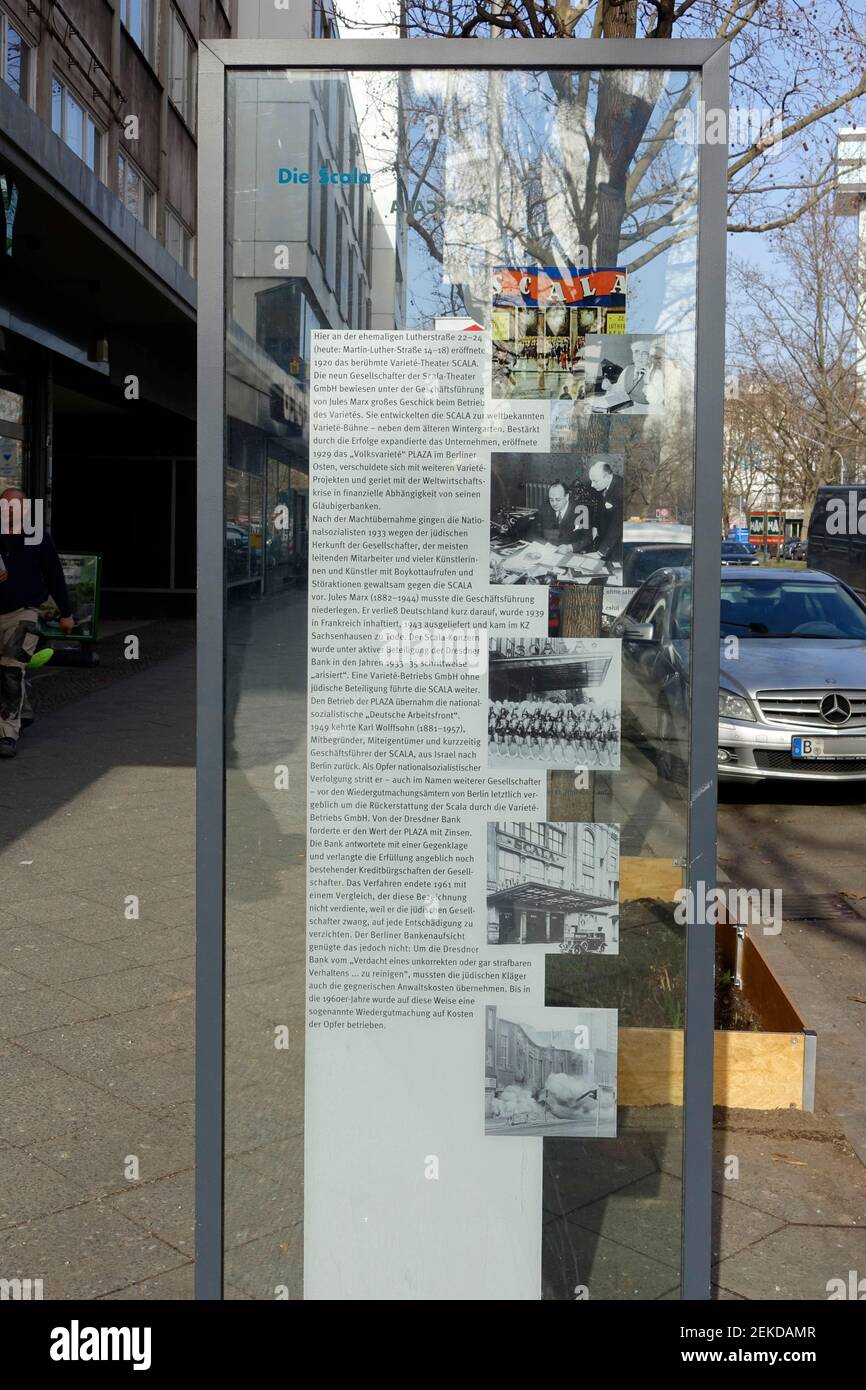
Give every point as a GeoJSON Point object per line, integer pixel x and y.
{"type": "Point", "coordinates": [77, 128]}
{"type": "Point", "coordinates": [17, 58]}
{"type": "Point", "coordinates": [588, 854]}
{"type": "Point", "coordinates": [179, 240]}
{"type": "Point", "coordinates": [324, 24]}
{"type": "Point", "coordinates": [139, 21]}
{"type": "Point", "coordinates": [555, 839]}
{"type": "Point", "coordinates": [136, 194]}
{"type": "Point", "coordinates": [338, 261]}
{"type": "Point", "coordinates": [181, 68]}
{"type": "Point", "coordinates": [341, 125]}
{"type": "Point", "coordinates": [323, 224]}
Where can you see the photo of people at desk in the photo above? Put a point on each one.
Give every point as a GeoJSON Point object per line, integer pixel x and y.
{"type": "Point", "coordinates": [558, 529]}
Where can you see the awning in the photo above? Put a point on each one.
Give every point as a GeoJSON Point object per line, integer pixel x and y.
{"type": "Point", "coordinates": [514, 676]}
{"type": "Point", "coordinates": [544, 897]}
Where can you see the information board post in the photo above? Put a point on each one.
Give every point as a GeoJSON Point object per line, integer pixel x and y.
{"type": "Point", "coordinates": [423, 813]}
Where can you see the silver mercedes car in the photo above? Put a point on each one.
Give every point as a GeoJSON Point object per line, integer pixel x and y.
{"type": "Point", "coordinates": [792, 680]}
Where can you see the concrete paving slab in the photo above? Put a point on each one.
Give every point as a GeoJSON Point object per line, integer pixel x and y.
{"type": "Point", "coordinates": [795, 1263]}
{"type": "Point", "coordinates": [154, 1082]}
{"type": "Point", "coordinates": [574, 1258]}
{"type": "Point", "coordinates": [128, 989]}
{"type": "Point", "coordinates": [39, 1100]}
{"type": "Point", "coordinates": [29, 1189]}
{"type": "Point", "coordinates": [175, 1285]}
{"type": "Point", "coordinates": [83, 1252]}
{"type": "Point", "coordinates": [98, 1162]}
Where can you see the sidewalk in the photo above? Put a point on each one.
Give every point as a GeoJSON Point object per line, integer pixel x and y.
{"type": "Point", "coordinates": [96, 1007]}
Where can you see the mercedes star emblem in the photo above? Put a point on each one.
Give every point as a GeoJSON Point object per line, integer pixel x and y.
{"type": "Point", "coordinates": [835, 708]}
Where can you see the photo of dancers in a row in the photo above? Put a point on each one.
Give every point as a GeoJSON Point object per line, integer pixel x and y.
{"type": "Point", "coordinates": [554, 733]}
{"type": "Point", "coordinates": [554, 704]}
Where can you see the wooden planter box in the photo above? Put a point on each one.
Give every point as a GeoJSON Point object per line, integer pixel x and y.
{"type": "Point", "coordinates": [768, 1070]}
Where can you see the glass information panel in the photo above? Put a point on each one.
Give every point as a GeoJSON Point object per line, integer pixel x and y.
{"type": "Point", "coordinates": [459, 512]}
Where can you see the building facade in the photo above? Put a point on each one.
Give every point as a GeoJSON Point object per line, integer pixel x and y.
{"type": "Point", "coordinates": [98, 146]}
{"type": "Point", "coordinates": [516, 1055]}
{"type": "Point", "coordinates": [553, 883]}
{"type": "Point", "coordinates": [323, 245]}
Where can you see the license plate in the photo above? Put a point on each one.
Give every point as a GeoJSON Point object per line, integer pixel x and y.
{"type": "Point", "coordinates": [805, 746]}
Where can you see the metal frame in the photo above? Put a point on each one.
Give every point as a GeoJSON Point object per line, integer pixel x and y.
{"type": "Point", "coordinates": [710, 59]}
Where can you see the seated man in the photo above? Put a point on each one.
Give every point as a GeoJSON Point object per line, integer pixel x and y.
{"type": "Point", "coordinates": [561, 520]}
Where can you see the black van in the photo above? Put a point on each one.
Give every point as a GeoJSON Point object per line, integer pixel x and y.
{"type": "Point", "coordinates": [836, 541]}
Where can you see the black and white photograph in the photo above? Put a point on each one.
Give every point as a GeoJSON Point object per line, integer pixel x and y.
{"type": "Point", "coordinates": [556, 519]}
{"type": "Point", "coordinates": [554, 702]}
{"type": "Point", "coordinates": [554, 885]}
{"type": "Point", "coordinates": [550, 1072]}
{"type": "Point", "coordinates": [624, 373]}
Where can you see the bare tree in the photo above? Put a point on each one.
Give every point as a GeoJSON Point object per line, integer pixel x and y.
{"type": "Point", "coordinates": [795, 67]}
{"type": "Point", "coordinates": [794, 332]}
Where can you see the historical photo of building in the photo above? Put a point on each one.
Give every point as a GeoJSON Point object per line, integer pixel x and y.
{"type": "Point", "coordinates": [624, 373]}
{"type": "Point", "coordinates": [553, 884]}
{"type": "Point", "coordinates": [554, 702]}
{"type": "Point", "coordinates": [550, 1072]}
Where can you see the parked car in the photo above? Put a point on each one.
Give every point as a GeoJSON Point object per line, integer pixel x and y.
{"type": "Point", "coordinates": [651, 545]}
{"type": "Point", "coordinates": [788, 545]}
{"type": "Point", "coordinates": [840, 547]}
{"type": "Point", "coordinates": [646, 547]}
{"type": "Point", "coordinates": [792, 688]}
{"type": "Point", "coordinates": [738, 553]}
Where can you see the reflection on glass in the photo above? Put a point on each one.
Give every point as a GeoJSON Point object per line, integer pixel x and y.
{"type": "Point", "coordinates": [10, 462]}
{"type": "Point", "coordinates": [488, 198]}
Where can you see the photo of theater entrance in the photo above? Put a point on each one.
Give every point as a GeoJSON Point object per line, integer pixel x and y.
{"type": "Point", "coordinates": [553, 884]}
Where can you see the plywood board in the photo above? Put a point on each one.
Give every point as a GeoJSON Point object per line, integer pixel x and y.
{"type": "Point", "coordinates": [644, 876]}
{"type": "Point", "coordinates": [752, 1071]}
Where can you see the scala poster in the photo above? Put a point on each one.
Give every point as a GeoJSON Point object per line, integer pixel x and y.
{"type": "Point", "coordinates": [540, 321]}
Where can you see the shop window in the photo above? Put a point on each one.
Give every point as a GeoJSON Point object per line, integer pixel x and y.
{"type": "Point", "coordinates": [77, 127]}
{"type": "Point", "coordinates": [12, 435]}
{"type": "Point", "coordinates": [136, 194]}
{"type": "Point", "coordinates": [139, 21]}
{"type": "Point", "coordinates": [17, 59]}
{"type": "Point", "coordinates": [179, 240]}
{"type": "Point", "coordinates": [182, 68]}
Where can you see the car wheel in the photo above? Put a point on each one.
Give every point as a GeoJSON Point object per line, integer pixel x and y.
{"type": "Point", "coordinates": [670, 766]}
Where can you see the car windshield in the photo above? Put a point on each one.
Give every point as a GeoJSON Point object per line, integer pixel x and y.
{"type": "Point", "coordinates": [735, 548]}
{"type": "Point", "coordinates": [790, 608]}
{"type": "Point", "coordinates": [639, 564]}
